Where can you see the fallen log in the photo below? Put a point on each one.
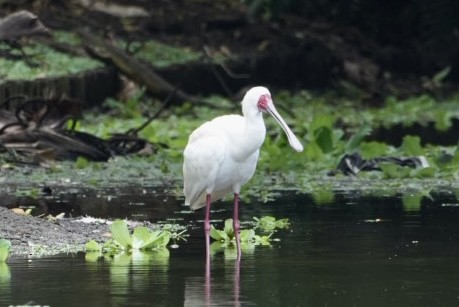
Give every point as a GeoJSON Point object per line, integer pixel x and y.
{"type": "Point", "coordinates": [38, 129]}
{"type": "Point", "coordinates": [133, 68]}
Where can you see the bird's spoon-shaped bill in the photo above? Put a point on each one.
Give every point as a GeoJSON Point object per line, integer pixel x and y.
{"type": "Point", "coordinates": [292, 139]}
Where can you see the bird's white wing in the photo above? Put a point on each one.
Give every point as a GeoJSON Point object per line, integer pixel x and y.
{"type": "Point", "coordinates": [203, 157]}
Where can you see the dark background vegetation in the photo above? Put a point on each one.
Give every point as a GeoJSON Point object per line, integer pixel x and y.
{"type": "Point", "coordinates": [381, 47]}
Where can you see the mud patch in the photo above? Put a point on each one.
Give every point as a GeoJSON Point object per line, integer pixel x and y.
{"type": "Point", "coordinates": [35, 236]}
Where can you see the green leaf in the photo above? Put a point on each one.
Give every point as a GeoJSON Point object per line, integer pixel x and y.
{"type": "Point", "coordinates": [218, 235]}
{"type": "Point", "coordinates": [141, 236]}
{"type": "Point", "coordinates": [247, 235]}
{"type": "Point", "coordinates": [442, 120]}
{"type": "Point", "coordinates": [5, 248]}
{"type": "Point", "coordinates": [389, 170]}
{"type": "Point", "coordinates": [282, 223]}
{"type": "Point", "coordinates": [411, 146]}
{"type": "Point", "coordinates": [229, 230]}
{"type": "Point", "coordinates": [81, 163]}
{"type": "Point", "coordinates": [269, 223]}
{"type": "Point", "coordinates": [324, 139]}
{"type": "Point", "coordinates": [357, 138]}
{"type": "Point", "coordinates": [92, 246]}
{"type": "Point", "coordinates": [322, 120]}
{"type": "Point", "coordinates": [120, 233]}
{"type": "Point", "coordinates": [370, 150]}
{"type": "Point", "coordinates": [313, 151]}
{"type": "Point", "coordinates": [426, 172]}
{"type": "Point", "coordinates": [392, 171]}
{"type": "Point", "coordinates": [264, 240]}
{"type": "Point", "coordinates": [160, 238]}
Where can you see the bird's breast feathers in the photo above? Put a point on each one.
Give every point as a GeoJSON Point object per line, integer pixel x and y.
{"type": "Point", "coordinates": [222, 127]}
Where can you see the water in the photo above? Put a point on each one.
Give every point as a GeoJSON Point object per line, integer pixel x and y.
{"type": "Point", "coordinates": [356, 251]}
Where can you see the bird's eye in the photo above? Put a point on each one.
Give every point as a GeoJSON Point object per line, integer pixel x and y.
{"type": "Point", "coordinates": [263, 102]}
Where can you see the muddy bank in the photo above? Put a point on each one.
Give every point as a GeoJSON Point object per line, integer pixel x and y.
{"type": "Point", "coordinates": [36, 236]}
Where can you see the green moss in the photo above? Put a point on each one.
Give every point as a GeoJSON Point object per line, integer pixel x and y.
{"type": "Point", "coordinates": [67, 37]}
{"type": "Point", "coordinates": [50, 63]}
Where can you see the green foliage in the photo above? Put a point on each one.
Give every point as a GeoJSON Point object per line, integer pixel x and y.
{"type": "Point", "coordinates": [161, 55]}
{"type": "Point", "coordinates": [131, 108]}
{"type": "Point", "coordinates": [121, 235]}
{"type": "Point", "coordinates": [225, 239]}
{"type": "Point", "coordinates": [70, 38]}
{"type": "Point", "coordinates": [81, 163]}
{"type": "Point", "coordinates": [317, 123]}
{"type": "Point", "coordinates": [328, 125]}
{"type": "Point", "coordinates": [393, 171]}
{"type": "Point", "coordinates": [32, 193]}
{"type": "Point", "coordinates": [321, 132]}
{"type": "Point", "coordinates": [50, 64]}
{"type": "Point", "coordinates": [92, 246]}
{"type": "Point", "coordinates": [269, 223]}
{"type": "Point", "coordinates": [142, 239]}
{"type": "Point", "coordinates": [357, 138]}
{"type": "Point", "coordinates": [370, 150]}
{"type": "Point", "coordinates": [411, 146]}
{"type": "Point", "coordinates": [5, 249]}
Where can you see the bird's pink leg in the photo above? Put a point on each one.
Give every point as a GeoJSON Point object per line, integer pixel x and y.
{"type": "Point", "coordinates": [207, 234]}
{"type": "Point", "coordinates": [207, 273]}
{"type": "Point", "coordinates": [236, 225]}
{"type": "Point", "coordinates": [207, 217]}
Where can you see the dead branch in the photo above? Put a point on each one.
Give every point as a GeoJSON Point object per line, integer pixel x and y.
{"type": "Point", "coordinates": [133, 68]}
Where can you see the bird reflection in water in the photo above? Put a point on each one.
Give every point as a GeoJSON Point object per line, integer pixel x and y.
{"type": "Point", "coordinates": [209, 290]}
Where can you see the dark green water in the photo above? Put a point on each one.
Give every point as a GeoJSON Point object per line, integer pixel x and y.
{"type": "Point", "coordinates": [356, 251]}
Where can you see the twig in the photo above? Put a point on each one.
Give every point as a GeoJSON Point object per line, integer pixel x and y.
{"type": "Point", "coordinates": [161, 108]}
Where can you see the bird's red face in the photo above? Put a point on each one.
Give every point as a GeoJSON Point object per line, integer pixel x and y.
{"type": "Point", "coordinates": [263, 102]}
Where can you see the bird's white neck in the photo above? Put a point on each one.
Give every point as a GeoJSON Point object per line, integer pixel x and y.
{"type": "Point", "coordinates": [251, 138]}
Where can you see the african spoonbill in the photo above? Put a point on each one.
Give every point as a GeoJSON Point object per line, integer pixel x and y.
{"type": "Point", "coordinates": [221, 155]}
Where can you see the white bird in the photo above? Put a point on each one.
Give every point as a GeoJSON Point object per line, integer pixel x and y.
{"type": "Point", "coordinates": [221, 154]}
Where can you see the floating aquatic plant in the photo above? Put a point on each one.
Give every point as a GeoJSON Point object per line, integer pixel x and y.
{"type": "Point", "coordinates": [270, 224]}
{"type": "Point", "coordinates": [266, 224]}
{"type": "Point", "coordinates": [142, 240]}
{"type": "Point", "coordinates": [225, 241]}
